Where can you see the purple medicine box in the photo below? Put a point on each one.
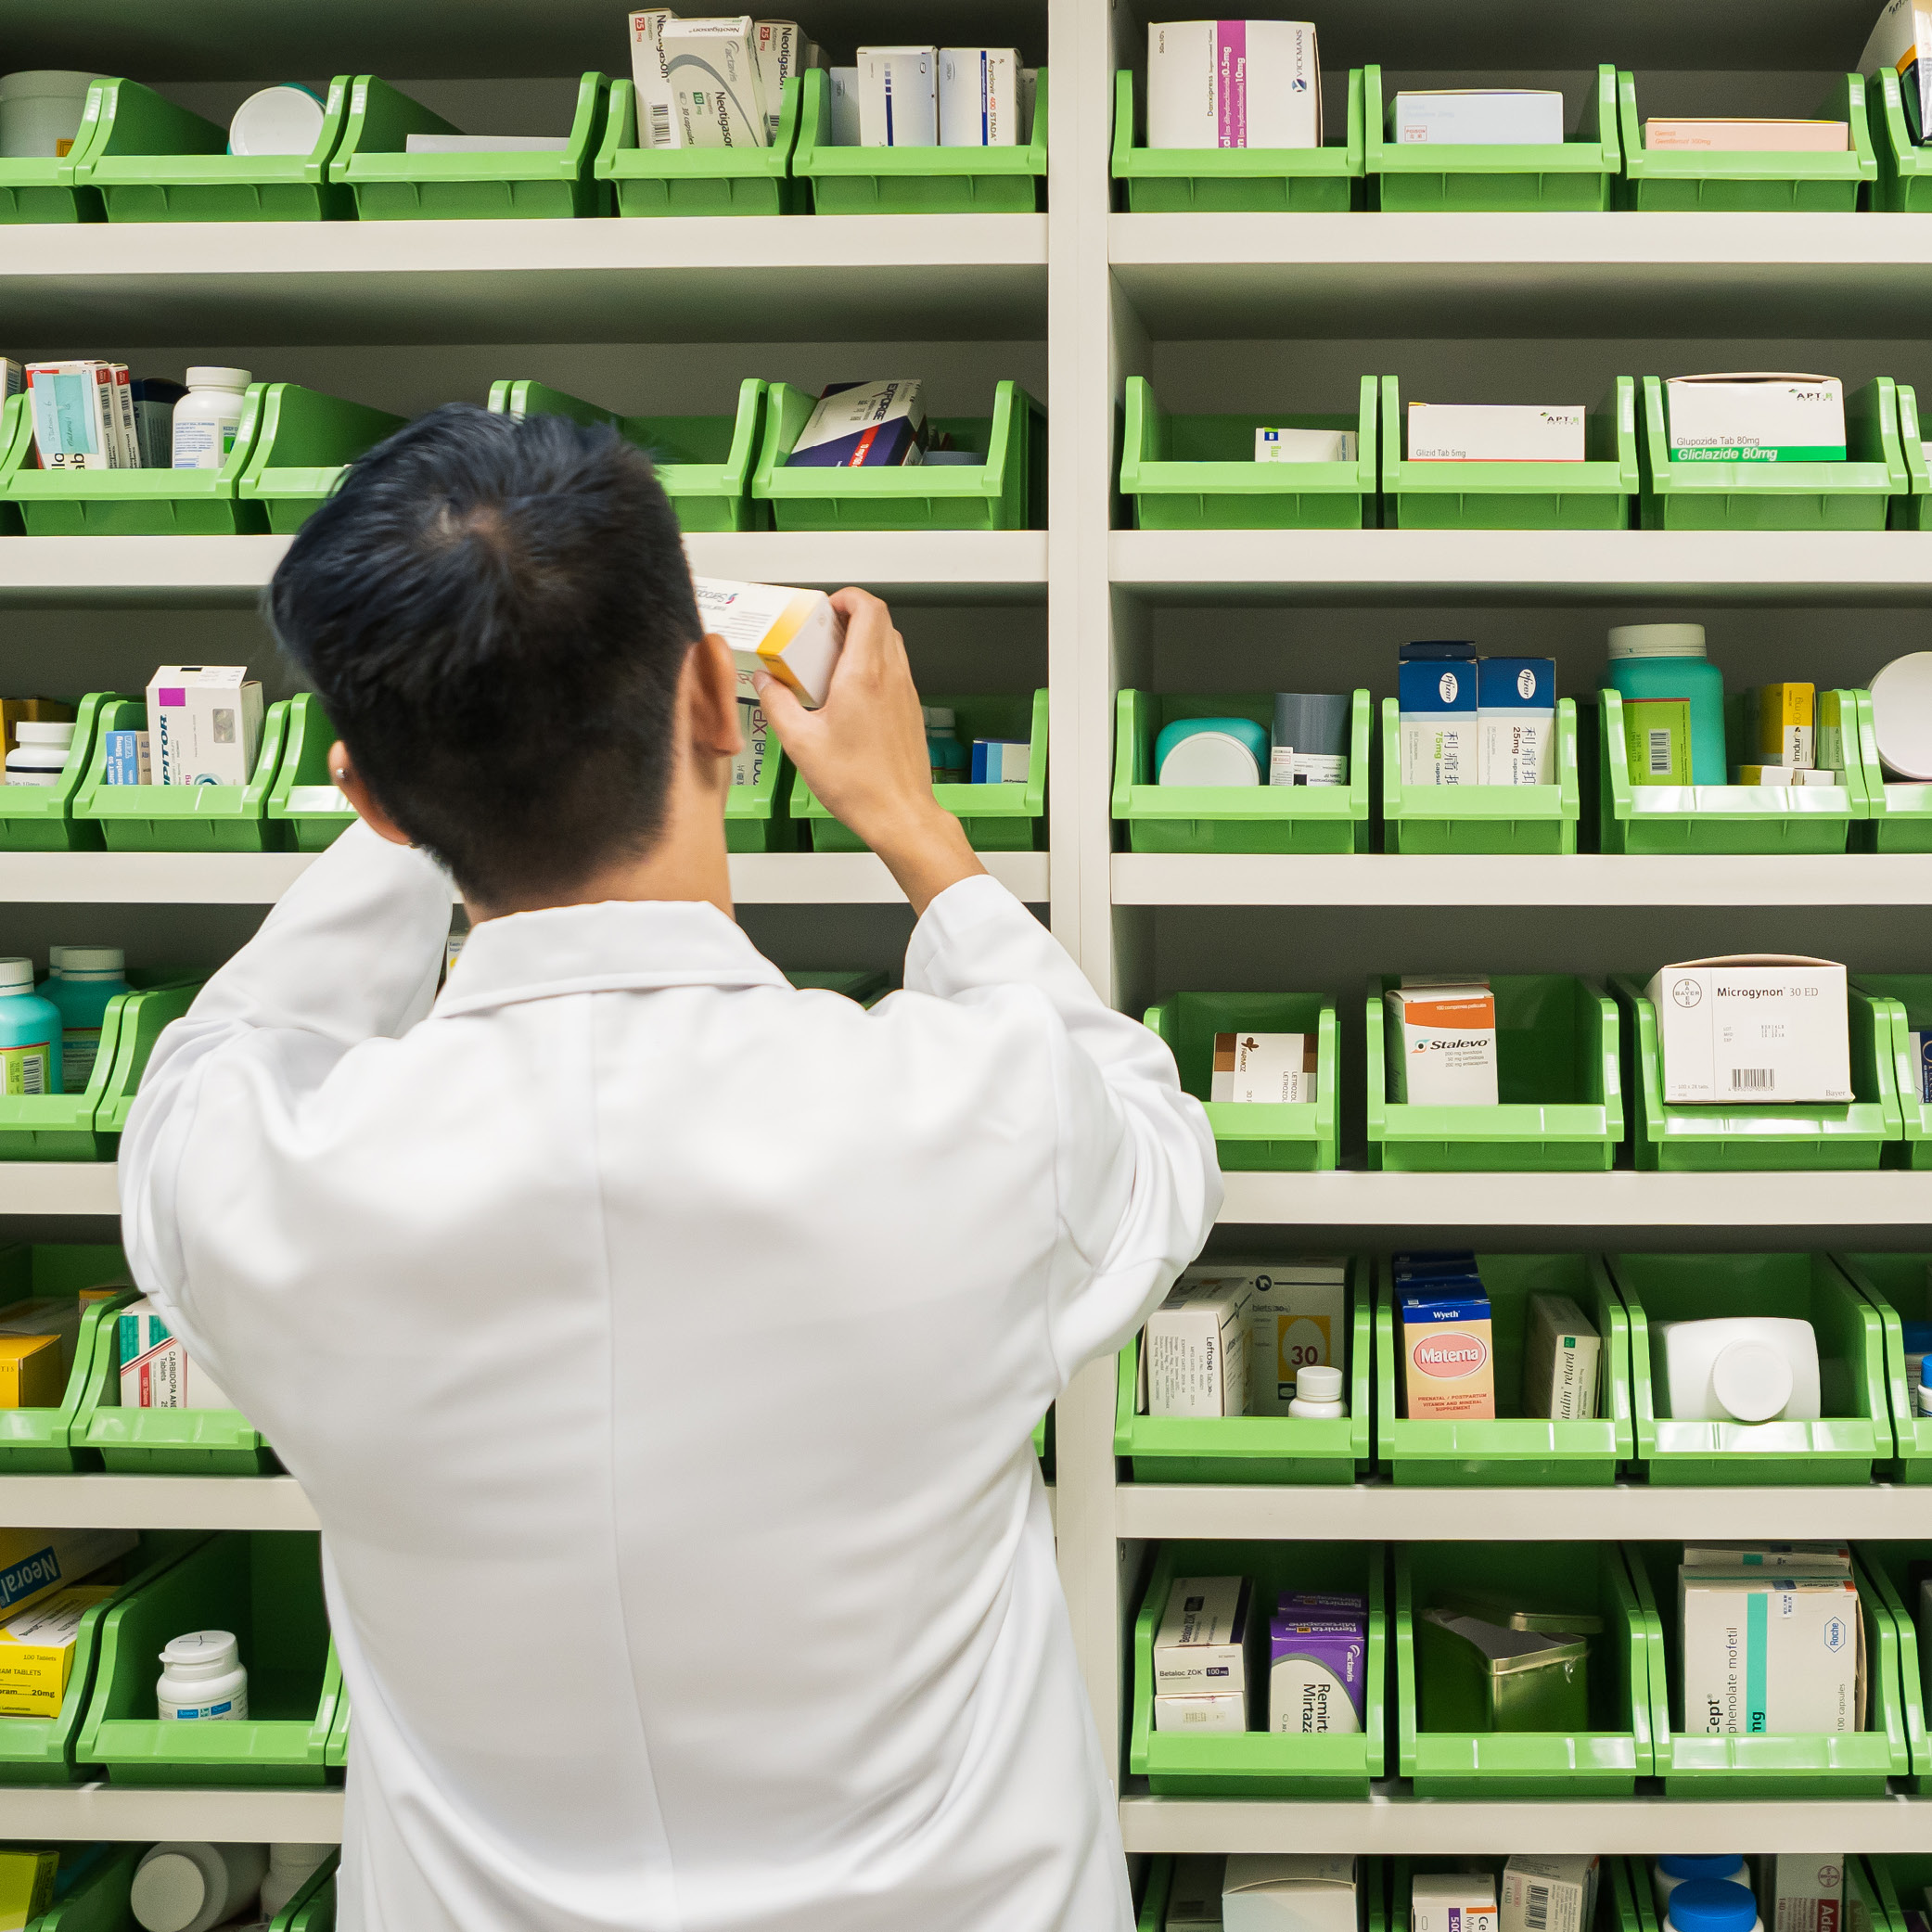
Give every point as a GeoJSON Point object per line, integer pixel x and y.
{"type": "Point", "coordinates": [1317, 1668]}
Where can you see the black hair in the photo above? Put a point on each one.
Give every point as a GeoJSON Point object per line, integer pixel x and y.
{"type": "Point", "coordinates": [495, 613]}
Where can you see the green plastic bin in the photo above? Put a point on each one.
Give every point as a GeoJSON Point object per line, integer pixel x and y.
{"type": "Point", "coordinates": [143, 1015]}
{"type": "Point", "coordinates": [1231, 818]}
{"type": "Point", "coordinates": [1371, 1912]}
{"type": "Point", "coordinates": [1481, 818]}
{"type": "Point", "coordinates": [997, 818]}
{"type": "Point", "coordinates": [303, 800]}
{"type": "Point", "coordinates": [1568, 176]}
{"type": "Point", "coordinates": [916, 180]}
{"type": "Point", "coordinates": [1769, 1764]}
{"type": "Point", "coordinates": [127, 503]}
{"type": "Point", "coordinates": [46, 1750]}
{"type": "Point", "coordinates": [183, 818]}
{"type": "Point", "coordinates": [1258, 1762]}
{"type": "Point", "coordinates": [312, 1909]}
{"type": "Point", "coordinates": [703, 462]}
{"type": "Point", "coordinates": [1804, 1137]}
{"type": "Point", "coordinates": [1437, 1747]}
{"type": "Point", "coordinates": [1906, 999]}
{"type": "Point", "coordinates": [1898, 1286]}
{"type": "Point", "coordinates": [1199, 472]}
{"type": "Point", "coordinates": [306, 442]}
{"type": "Point", "coordinates": [1646, 820]}
{"type": "Point", "coordinates": [1891, 1884]}
{"type": "Point", "coordinates": [1597, 493]}
{"type": "Point", "coordinates": [1007, 492]}
{"type": "Point", "coordinates": [153, 162]}
{"type": "Point", "coordinates": [678, 181]}
{"type": "Point", "coordinates": [1904, 179]}
{"type": "Point", "coordinates": [40, 818]}
{"type": "Point", "coordinates": [41, 189]}
{"type": "Point", "coordinates": [391, 185]}
{"type": "Point", "coordinates": [97, 1900]}
{"type": "Point", "coordinates": [1752, 179]}
{"type": "Point", "coordinates": [266, 1585]}
{"type": "Point", "coordinates": [1560, 1107]}
{"type": "Point", "coordinates": [1899, 1572]}
{"type": "Point", "coordinates": [1324, 180]}
{"type": "Point", "coordinates": [1855, 1430]}
{"type": "Point", "coordinates": [1514, 1450]}
{"type": "Point", "coordinates": [1257, 1136]}
{"type": "Point", "coordinates": [1912, 510]}
{"type": "Point", "coordinates": [1855, 495]}
{"type": "Point", "coordinates": [1252, 1449]}
{"type": "Point", "coordinates": [35, 1441]}
{"type": "Point", "coordinates": [1898, 811]}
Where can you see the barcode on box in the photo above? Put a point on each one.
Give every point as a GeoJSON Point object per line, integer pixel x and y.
{"type": "Point", "coordinates": [1753, 1079]}
{"type": "Point", "coordinates": [1659, 753]}
{"type": "Point", "coordinates": [1536, 1915]}
{"type": "Point", "coordinates": [660, 123]}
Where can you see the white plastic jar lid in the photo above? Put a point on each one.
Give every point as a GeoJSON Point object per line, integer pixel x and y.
{"type": "Point", "coordinates": [91, 959]}
{"type": "Point", "coordinates": [32, 733]}
{"type": "Point", "coordinates": [1319, 1384]}
{"type": "Point", "coordinates": [170, 1892]}
{"type": "Point", "coordinates": [36, 758]}
{"type": "Point", "coordinates": [284, 118]}
{"type": "Point", "coordinates": [199, 1653]}
{"type": "Point", "coordinates": [16, 976]}
{"type": "Point", "coordinates": [1752, 1381]}
{"type": "Point", "coordinates": [1901, 714]}
{"type": "Point", "coordinates": [1210, 758]}
{"type": "Point", "coordinates": [45, 83]}
{"type": "Point", "coordinates": [1656, 641]}
{"type": "Point", "coordinates": [207, 376]}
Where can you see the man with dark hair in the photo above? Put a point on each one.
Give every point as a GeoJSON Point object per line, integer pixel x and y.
{"type": "Point", "coordinates": [658, 1345]}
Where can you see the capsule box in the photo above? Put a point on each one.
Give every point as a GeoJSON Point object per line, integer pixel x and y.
{"type": "Point", "coordinates": [712, 67]}
{"type": "Point", "coordinates": [1207, 1637]}
{"type": "Point", "coordinates": [781, 54]}
{"type": "Point", "coordinates": [1766, 1652]}
{"type": "Point", "coordinates": [1766, 1027]}
{"type": "Point", "coordinates": [1517, 720]}
{"type": "Point", "coordinates": [795, 636]}
{"type": "Point", "coordinates": [658, 122]}
{"type": "Point", "coordinates": [1440, 723]}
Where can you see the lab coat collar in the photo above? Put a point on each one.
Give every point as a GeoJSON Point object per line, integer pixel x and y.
{"type": "Point", "coordinates": [621, 945]}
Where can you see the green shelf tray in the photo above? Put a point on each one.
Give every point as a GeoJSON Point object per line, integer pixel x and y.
{"type": "Point", "coordinates": [1770, 1764]}
{"type": "Point", "coordinates": [303, 800]}
{"type": "Point", "coordinates": [1372, 1913]}
{"type": "Point", "coordinates": [1840, 1448]}
{"type": "Point", "coordinates": [1912, 510]}
{"type": "Point", "coordinates": [1255, 1136]}
{"type": "Point", "coordinates": [1897, 1285]}
{"type": "Point", "coordinates": [1906, 998]}
{"type": "Point", "coordinates": [997, 818]}
{"type": "Point", "coordinates": [1899, 811]}
{"type": "Point", "coordinates": [36, 1441]}
{"type": "Point", "coordinates": [306, 442]}
{"type": "Point", "coordinates": [265, 1586]}
{"type": "Point", "coordinates": [47, 1750]}
{"type": "Point", "coordinates": [1437, 1747]}
{"type": "Point", "coordinates": [916, 180]}
{"type": "Point", "coordinates": [1263, 1763]}
{"type": "Point", "coordinates": [1904, 180]}
{"type": "Point", "coordinates": [40, 190]}
{"type": "Point", "coordinates": [1646, 820]}
{"type": "Point", "coordinates": [1560, 1107]}
{"type": "Point", "coordinates": [1750, 179]}
{"type": "Point", "coordinates": [1568, 176]}
{"type": "Point", "coordinates": [680, 181]}
{"type": "Point", "coordinates": [1886, 1880]}
{"type": "Point", "coordinates": [127, 503]}
{"type": "Point", "coordinates": [391, 184]}
{"type": "Point", "coordinates": [1598, 494]}
{"type": "Point", "coordinates": [1899, 1570]}
{"type": "Point", "coordinates": [1008, 491]}
{"type": "Point", "coordinates": [703, 462]}
{"type": "Point", "coordinates": [1806, 1138]}
{"type": "Point", "coordinates": [1514, 1450]}
{"type": "Point", "coordinates": [40, 818]}
{"type": "Point", "coordinates": [1252, 1449]}
{"type": "Point", "coordinates": [1855, 495]}
{"type": "Point", "coordinates": [1325, 180]}
{"type": "Point", "coordinates": [1481, 818]}
{"type": "Point", "coordinates": [1199, 472]}
{"type": "Point", "coordinates": [181, 818]}
{"type": "Point", "coordinates": [153, 162]}
{"type": "Point", "coordinates": [1231, 818]}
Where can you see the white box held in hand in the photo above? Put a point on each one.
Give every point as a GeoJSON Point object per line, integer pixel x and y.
{"type": "Point", "coordinates": [1275, 1068]}
{"type": "Point", "coordinates": [1194, 1352]}
{"type": "Point", "coordinates": [1756, 418]}
{"type": "Point", "coordinates": [899, 97]}
{"type": "Point", "coordinates": [1494, 432]}
{"type": "Point", "coordinates": [204, 723]}
{"type": "Point", "coordinates": [1233, 84]}
{"type": "Point", "coordinates": [794, 635]}
{"type": "Point", "coordinates": [1208, 1634]}
{"type": "Point", "coordinates": [1476, 116]}
{"type": "Point", "coordinates": [1763, 1028]}
{"type": "Point", "coordinates": [713, 68]}
{"type": "Point", "coordinates": [978, 97]}
{"type": "Point", "coordinates": [1294, 1891]}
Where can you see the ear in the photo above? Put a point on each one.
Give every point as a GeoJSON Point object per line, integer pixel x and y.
{"type": "Point", "coordinates": [711, 678]}
{"type": "Point", "coordinates": [349, 782]}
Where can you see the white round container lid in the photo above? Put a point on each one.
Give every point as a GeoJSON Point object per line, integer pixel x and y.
{"type": "Point", "coordinates": [200, 1651]}
{"type": "Point", "coordinates": [50, 733]}
{"type": "Point", "coordinates": [1211, 758]}
{"type": "Point", "coordinates": [16, 976]}
{"type": "Point", "coordinates": [1752, 1381]}
{"type": "Point", "coordinates": [37, 758]}
{"type": "Point", "coordinates": [1656, 641]}
{"type": "Point", "coordinates": [169, 1893]}
{"type": "Point", "coordinates": [41, 83]}
{"type": "Point", "coordinates": [1319, 1384]}
{"type": "Point", "coordinates": [1901, 714]}
{"type": "Point", "coordinates": [209, 376]}
{"type": "Point", "coordinates": [92, 959]}
{"type": "Point", "coordinates": [286, 119]}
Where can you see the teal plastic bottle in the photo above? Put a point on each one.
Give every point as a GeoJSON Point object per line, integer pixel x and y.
{"type": "Point", "coordinates": [29, 1034]}
{"type": "Point", "coordinates": [84, 980]}
{"type": "Point", "coordinates": [944, 751]}
{"type": "Point", "coordinates": [1667, 660]}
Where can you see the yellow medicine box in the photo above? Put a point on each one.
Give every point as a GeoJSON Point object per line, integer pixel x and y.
{"type": "Point", "coordinates": [32, 1374]}
{"type": "Point", "coordinates": [1783, 716]}
{"type": "Point", "coordinates": [37, 1653]}
{"type": "Point", "coordinates": [26, 1887]}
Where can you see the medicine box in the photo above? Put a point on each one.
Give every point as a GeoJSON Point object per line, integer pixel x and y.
{"type": "Point", "coordinates": [1799, 1891]}
{"type": "Point", "coordinates": [716, 92]}
{"type": "Point", "coordinates": [1780, 720]}
{"type": "Point", "coordinates": [156, 1370]}
{"type": "Point", "coordinates": [1001, 761]}
{"type": "Point", "coordinates": [782, 52]}
{"type": "Point", "coordinates": [1442, 1043]}
{"type": "Point", "coordinates": [128, 762]}
{"type": "Point", "coordinates": [1272, 1891]}
{"type": "Point", "coordinates": [1233, 84]}
{"type": "Point", "coordinates": [1194, 1895]}
{"type": "Point", "coordinates": [1275, 1069]}
{"type": "Point", "coordinates": [1195, 1353]}
{"type": "Point", "coordinates": [1495, 432]}
{"type": "Point", "coordinates": [1476, 116]}
{"type": "Point", "coordinates": [1756, 418]}
{"type": "Point", "coordinates": [1902, 36]}
{"type": "Point", "coordinates": [1208, 1639]}
{"type": "Point", "coordinates": [1315, 1665]}
{"type": "Point", "coordinates": [1298, 1316]}
{"type": "Point", "coordinates": [658, 122]}
{"type": "Point", "coordinates": [1517, 720]}
{"type": "Point", "coordinates": [978, 97]}
{"type": "Point", "coordinates": [1769, 1653]}
{"type": "Point", "coordinates": [1562, 1352]}
{"type": "Point", "coordinates": [204, 723]}
{"type": "Point", "coordinates": [32, 1374]}
{"type": "Point", "coordinates": [1453, 1902]}
{"type": "Point", "coordinates": [37, 1651]}
{"type": "Point", "coordinates": [793, 635]}
{"type": "Point", "coordinates": [899, 97]}
{"type": "Point", "coordinates": [1206, 1715]}
{"type": "Point", "coordinates": [1549, 1894]}
{"type": "Point", "coordinates": [27, 1880]}
{"type": "Point", "coordinates": [862, 425]}
{"type": "Point", "coordinates": [1448, 1371]}
{"type": "Point", "coordinates": [1754, 1029]}
{"type": "Point", "coordinates": [35, 1563]}
{"type": "Point", "coordinates": [1305, 445]}
{"type": "Point", "coordinates": [1441, 722]}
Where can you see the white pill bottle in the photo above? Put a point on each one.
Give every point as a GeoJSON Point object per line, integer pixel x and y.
{"type": "Point", "coordinates": [289, 1868]}
{"type": "Point", "coordinates": [1712, 1905]}
{"type": "Point", "coordinates": [183, 1888]}
{"type": "Point", "coordinates": [202, 1678]}
{"type": "Point", "coordinates": [207, 417]}
{"type": "Point", "coordinates": [1318, 1394]}
{"type": "Point", "coordinates": [1666, 1874]}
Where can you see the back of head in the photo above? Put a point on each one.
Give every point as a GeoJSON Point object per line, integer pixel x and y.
{"type": "Point", "coordinates": [495, 613]}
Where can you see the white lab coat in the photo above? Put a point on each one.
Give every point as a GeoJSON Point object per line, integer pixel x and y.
{"type": "Point", "coordinates": [660, 1347]}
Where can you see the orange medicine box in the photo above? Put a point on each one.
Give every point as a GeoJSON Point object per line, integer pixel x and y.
{"type": "Point", "coordinates": [32, 1374]}
{"type": "Point", "coordinates": [1449, 1364]}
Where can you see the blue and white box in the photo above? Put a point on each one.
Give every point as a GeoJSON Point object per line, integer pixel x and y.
{"type": "Point", "coordinates": [1437, 686]}
{"type": "Point", "coordinates": [978, 97]}
{"type": "Point", "coordinates": [1001, 762]}
{"type": "Point", "coordinates": [899, 97]}
{"type": "Point", "coordinates": [1517, 720]}
{"type": "Point", "coordinates": [1921, 1048]}
{"type": "Point", "coordinates": [862, 426]}
{"type": "Point", "coordinates": [127, 758]}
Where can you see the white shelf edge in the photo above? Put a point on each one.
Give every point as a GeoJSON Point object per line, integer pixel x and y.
{"type": "Point", "coordinates": [58, 1187]}
{"type": "Point", "coordinates": [155, 1503]}
{"type": "Point", "coordinates": [218, 1814]}
{"type": "Point", "coordinates": [860, 878]}
{"type": "Point", "coordinates": [1383, 1512]}
{"type": "Point", "coordinates": [1393, 1822]}
{"type": "Point", "coordinates": [1576, 879]}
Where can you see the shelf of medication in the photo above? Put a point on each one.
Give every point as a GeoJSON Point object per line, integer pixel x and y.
{"type": "Point", "coordinates": [1571, 879]}
{"type": "Point", "coordinates": [846, 278]}
{"type": "Point", "coordinates": [1393, 1201]}
{"type": "Point", "coordinates": [132, 1813]}
{"type": "Point", "coordinates": [1363, 566]}
{"type": "Point", "coordinates": [1393, 1822]}
{"type": "Point", "coordinates": [155, 1503]}
{"type": "Point", "coordinates": [1382, 1511]}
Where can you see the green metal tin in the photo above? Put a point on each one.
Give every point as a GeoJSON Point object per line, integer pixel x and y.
{"type": "Point", "coordinates": [703, 181]}
{"type": "Point", "coordinates": [1481, 818]}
